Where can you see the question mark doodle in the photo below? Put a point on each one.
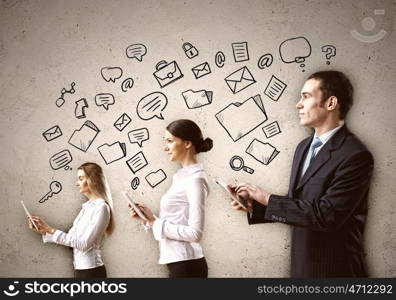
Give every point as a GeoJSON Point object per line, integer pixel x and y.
{"type": "Point", "coordinates": [330, 51]}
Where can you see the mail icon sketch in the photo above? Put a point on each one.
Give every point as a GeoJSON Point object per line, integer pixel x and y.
{"type": "Point", "coordinates": [52, 133]}
{"type": "Point", "coordinates": [240, 80]}
{"type": "Point", "coordinates": [122, 122]}
{"type": "Point", "coordinates": [275, 88]}
{"type": "Point", "coordinates": [262, 152]}
{"type": "Point", "coordinates": [201, 70]}
{"type": "Point", "coordinates": [239, 119]}
{"type": "Point", "coordinates": [195, 99]}
{"type": "Point", "coordinates": [82, 138]}
{"type": "Point", "coordinates": [166, 73]}
{"type": "Point", "coordinates": [113, 152]}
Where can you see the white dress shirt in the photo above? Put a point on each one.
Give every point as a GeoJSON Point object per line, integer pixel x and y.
{"type": "Point", "coordinates": [86, 234]}
{"type": "Point", "coordinates": [325, 137]}
{"type": "Point", "coordinates": [182, 209]}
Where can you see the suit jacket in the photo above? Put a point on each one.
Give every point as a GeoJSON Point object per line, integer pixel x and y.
{"type": "Point", "coordinates": [327, 208]}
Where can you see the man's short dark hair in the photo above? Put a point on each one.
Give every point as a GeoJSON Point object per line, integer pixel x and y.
{"type": "Point", "coordinates": [335, 83]}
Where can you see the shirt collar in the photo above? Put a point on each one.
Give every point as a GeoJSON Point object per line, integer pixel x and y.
{"type": "Point", "coordinates": [92, 202]}
{"type": "Point", "coordinates": [324, 137]}
{"type": "Point", "coordinates": [190, 169]}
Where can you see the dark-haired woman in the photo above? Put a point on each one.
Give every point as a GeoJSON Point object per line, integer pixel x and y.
{"type": "Point", "coordinates": [180, 224]}
{"type": "Point", "coordinates": [93, 221]}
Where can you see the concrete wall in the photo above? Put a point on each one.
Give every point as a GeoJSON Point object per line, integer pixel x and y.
{"type": "Point", "coordinates": [47, 45]}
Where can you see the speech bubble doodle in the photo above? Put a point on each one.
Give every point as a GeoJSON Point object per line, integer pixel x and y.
{"type": "Point", "coordinates": [136, 51]}
{"type": "Point", "coordinates": [295, 50]}
{"type": "Point", "coordinates": [104, 100]}
{"type": "Point", "coordinates": [127, 84]}
{"type": "Point", "coordinates": [265, 61]}
{"type": "Point", "coordinates": [111, 73]}
{"type": "Point", "coordinates": [61, 160]}
{"type": "Point", "coordinates": [330, 51]}
{"type": "Point", "coordinates": [151, 106]}
{"type": "Point", "coordinates": [138, 136]}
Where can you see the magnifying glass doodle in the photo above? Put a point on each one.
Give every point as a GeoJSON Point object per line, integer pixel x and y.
{"type": "Point", "coordinates": [237, 164]}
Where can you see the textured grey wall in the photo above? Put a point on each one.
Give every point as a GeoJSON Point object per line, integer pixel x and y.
{"type": "Point", "coordinates": [46, 45]}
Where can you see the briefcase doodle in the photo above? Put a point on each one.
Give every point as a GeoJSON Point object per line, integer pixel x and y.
{"type": "Point", "coordinates": [167, 73]}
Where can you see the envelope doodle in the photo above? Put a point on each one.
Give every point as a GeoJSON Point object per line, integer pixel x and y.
{"type": "Point", "coordinates": [262, 152]}
{"type": "Point", "coordinates": [201, 70]}
{"type": "Point", "coordinates": [52, 133]}
{"type": "Point", "coordinates": [122, 122]}
{"type": "Point", "coordinates": [238, 119]}
{"type": "Point", "coordinates": [166, 73]}
{"type": "Point", "coordinates": [113, 152]}
{"type": "Point", "coordinates": [195, 99]}
{"type": "Point", "coordinates": [82, 138]}
{"type": "Point", "coordinates": [239, 80]}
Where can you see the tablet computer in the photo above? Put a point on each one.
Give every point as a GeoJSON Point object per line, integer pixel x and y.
{"type": "Point", "coordinates": [135, 207]}
{"type": "Point", "coordinates": [233, 195]}
{"type": "Point", "coordinates": [28, 214]}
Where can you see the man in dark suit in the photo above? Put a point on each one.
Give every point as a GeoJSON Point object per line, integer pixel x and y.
{"type": "Point", "coordinates": [330, 178]}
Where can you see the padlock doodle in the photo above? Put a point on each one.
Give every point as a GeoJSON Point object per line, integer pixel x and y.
{"type": "Point", "coordinates": [190, 50]}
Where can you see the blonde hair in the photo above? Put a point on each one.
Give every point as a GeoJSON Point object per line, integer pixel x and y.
{"type": "Point", "coordinates": [98, 184]}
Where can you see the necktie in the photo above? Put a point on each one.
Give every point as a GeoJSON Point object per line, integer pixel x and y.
{"type": "Point", "coordinates": [315, 144]}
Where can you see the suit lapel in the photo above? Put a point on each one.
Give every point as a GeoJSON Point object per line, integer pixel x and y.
{"type": "Point", "coordinates": [297, 163]}
{"type": "Point", "coordinates": [324, 155]}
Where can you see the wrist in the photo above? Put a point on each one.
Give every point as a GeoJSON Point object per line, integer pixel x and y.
{"type": "Point", "coordinates": [51, 230]}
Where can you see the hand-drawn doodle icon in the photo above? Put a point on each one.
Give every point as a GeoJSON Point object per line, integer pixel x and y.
{"type": "Point", "coordinates": [201, 70]}
{"type": "Point", "coordinates": [61, 100]}
{"type": "Point", "coordinates": [240, 51]}
{"type": "Point", "coordinates": [122, 122]}
{"type": "Point", "coordinates": [166, 73]}
{"type": "Point", "coordinates": [155, 178]}
{"type": "Point", "coordinates": [219, 59]}
{"type": "Point", "coordinates": [330, 51]}
{"type": "Point", "coordinates": [104, 99]}
{"type": "Point", "coordinates": [127, 84]}
{"type": "Point", "coordinates": [190, 50]}
{"type": "Point", "coordinates": [61, 160]}
{"type": "Point", "coordinates": [55, 188]}
{"type": "Point", "coordinates": [239, 119]}
{"type": "Point", "coordinates": [368, 24]}
{"type": "Point", "coordinates": [265, 61]}
{"type": "Point", "coordinates": [138, 136]}
{"type": "Point", "coordinates": [237, 164]}
{"type": "Point", "coordinates": [275, 88]}
{"type": "Point", "coordinates": [151, 106]}
{"type": "Point", "coordinates": [52, 133]}
{"type": "Point", "coordinates": [81, 105]}
{"type": "Point", "coordinates": [136, 51]}
{"type": "Point", "coordinates": [262, 152]}
{"type": "Point", "coordinates": [271, 129]}
{"type": "Point", "coordinates": [111, 73]}
{"type": "Point", "coordinates": [295, 50]}
{"type": "Point", "coordinates": [239, 80]}
{"type": "Point", "coordinates": [82, 138]}
{"type": "Point", "coordinates": [195, 99]}
{"type": "Point", "coordinates": [11, 292]}
{"type": "Point", "coordinates": [135, 183]}
{"type": "Point", "coordinates": [113, 152]}
{"type": "Point", "coordinates": [137, 162]}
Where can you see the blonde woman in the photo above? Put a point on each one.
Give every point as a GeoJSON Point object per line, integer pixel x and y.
{"type": "Point", "coordinates": [89, 227]}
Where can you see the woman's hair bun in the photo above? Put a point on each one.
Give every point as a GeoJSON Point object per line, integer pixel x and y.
{"type": "Point", "coordinates": [205, 145]}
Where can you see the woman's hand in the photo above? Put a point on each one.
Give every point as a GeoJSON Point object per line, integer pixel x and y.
{"type": "Point", "coordinates": [145, 210]}
{"type": "Point", "coordinates": [41, 226]}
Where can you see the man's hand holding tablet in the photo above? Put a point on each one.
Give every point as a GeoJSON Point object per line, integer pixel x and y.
{"type": "Point", "coordinates": [239, 201]}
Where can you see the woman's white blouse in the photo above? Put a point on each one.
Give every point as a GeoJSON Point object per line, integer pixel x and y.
{"type": "Point", "coordinates": [181, 221]}
{"type": "Point", "coordinates": [86, 234]}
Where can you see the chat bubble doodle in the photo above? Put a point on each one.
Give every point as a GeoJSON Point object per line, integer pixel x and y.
{"type": "Point", "coordinates": [111, 73]}
{"type": "Point", "coordinates": [61, 160]}
{"type": "Point", "coordinates": [127, 84]}
{"type": "Point", "coordinates": [138, 136]}
{"type": "Point", "coordinates": [295, 50]}
{"type": "Point", "coordinates": [104, 99]}
{"type": "Point", "coordinates": [265, 61]}
{"type": "Point", "coordinates": [330, 51]}
{"type": "Point", "coordinates": [151, 106]}
{"type": "Point", "coordinates": [135, 183]}
{"type": "Point", "coordinates": [136, 51]}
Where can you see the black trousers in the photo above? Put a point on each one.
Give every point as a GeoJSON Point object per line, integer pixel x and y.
{"type": "Point", "coordinates": [189, 268]}
{"type": "Point", "coordinates": [98, 272]}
